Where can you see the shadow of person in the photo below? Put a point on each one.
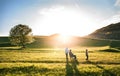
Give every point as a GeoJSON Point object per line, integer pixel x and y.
{"type": "Point", "coordinates": [105, 71]}
{"type": "Point", "coordinates": [66, 60]}
{"type": "Point", "coordinates": [74, 66]}
{"type": "Point", "coordinates": [69, 70]}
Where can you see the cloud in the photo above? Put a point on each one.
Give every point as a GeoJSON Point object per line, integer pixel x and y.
{"type": "Point", "coordinates": [117, 3]}
{"type": "Point", "coordinates": [116, 18]}
{"type": "Point", "coordinates": [113, 19]}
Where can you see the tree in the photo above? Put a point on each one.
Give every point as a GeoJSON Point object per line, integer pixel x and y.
{"type": "Point", "coordinates": [21, 35]}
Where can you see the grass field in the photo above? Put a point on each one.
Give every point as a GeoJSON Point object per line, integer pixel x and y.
{"type": "Point", "coordinates": [52, 62]}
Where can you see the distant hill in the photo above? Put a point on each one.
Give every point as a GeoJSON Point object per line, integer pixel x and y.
{"type": "Point", "coordinates": [53, 41]}
{"type": "Point", "coordinates": [111, 31]}
{"type": "Point", "coordinates": [4, 41]}
{"type": "Point", "coordinates": [97, 39]}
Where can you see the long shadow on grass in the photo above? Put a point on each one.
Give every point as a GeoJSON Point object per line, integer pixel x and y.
{"type": "Point", "coordinates": [71, 68]}
{"type": "Point", "coordinates": [112, 50]}
{"type": "Point", "coordinates": [27, 70]}
{"type": "Point", "coordinates": [105, 71]}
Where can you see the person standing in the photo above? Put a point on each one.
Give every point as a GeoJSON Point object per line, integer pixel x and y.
{"type": "Point", "coordinates": [66, 52]}
{"type": "Point", "coordinates": [86, 53]}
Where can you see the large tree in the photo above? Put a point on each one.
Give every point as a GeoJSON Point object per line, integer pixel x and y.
{"type": "Point", "coordinates": [21, 35]}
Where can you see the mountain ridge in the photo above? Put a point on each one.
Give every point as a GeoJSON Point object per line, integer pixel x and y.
{"type": "Point", "coordinates": [111, 32]}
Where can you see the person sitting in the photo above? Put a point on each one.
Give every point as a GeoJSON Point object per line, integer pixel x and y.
{"type": "Point", "coordinates": [72, 56]}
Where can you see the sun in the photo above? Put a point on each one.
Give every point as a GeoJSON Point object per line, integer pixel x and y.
{"type": "Point", "coordinates": [64, 39]}
{"type": "Point", "coordinates": [63, 20]}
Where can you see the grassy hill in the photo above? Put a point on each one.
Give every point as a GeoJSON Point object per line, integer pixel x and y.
{"type": "Point", "coordinates": [4, 42]}
{"type": "Point", "coordinates": [111, 31]}
{"type": "Point", "coordinates": [106, 36]}
{"type": "Point", "coordinates": [53, 41]}
{"type": "Point", "coordinates": [39, 56]}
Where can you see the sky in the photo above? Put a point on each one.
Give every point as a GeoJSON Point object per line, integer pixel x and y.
{"type": "Point", "coordinates": [67, 17]}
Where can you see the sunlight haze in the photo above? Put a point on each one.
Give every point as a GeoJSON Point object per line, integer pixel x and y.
{"type": "Point", "coordinates": [63, 20]}
{"type": "Point", "coordinates": [66, 17]}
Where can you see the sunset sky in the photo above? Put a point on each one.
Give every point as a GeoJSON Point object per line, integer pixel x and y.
{"type": "Point", "coordinates": [68, 17]}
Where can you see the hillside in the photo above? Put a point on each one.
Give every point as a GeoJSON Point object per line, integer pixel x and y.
{"type": "Point", "coordinates": [74, 41]}
{"type": "Point", "coordinates": [111, 31]}
{"type": "Point", "coordinates": [4, 42]}
{"type": "Point", "coordinates": [54, 41]}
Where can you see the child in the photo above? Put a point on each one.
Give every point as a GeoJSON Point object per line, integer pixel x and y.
{"type": "Point", "coordinates": [86, 53]}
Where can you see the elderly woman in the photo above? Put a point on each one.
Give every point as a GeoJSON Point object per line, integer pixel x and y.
{"type": "Point", "coordinates": [72, 55]}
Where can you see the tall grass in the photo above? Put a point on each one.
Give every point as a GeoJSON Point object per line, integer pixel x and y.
{"type": "Point", "coordinates": [52, 62]}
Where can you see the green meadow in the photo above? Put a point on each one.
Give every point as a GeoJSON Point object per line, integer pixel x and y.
{"type": "Point", "coordinates": [51, 61]}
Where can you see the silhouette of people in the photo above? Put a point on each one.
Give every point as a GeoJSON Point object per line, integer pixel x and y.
{"type": "Point", "coordinates": [72, 55]}
{"type": "Point", "coordinates": [66, 52]}
{"type": "Point", "coordinates": [86, 53]}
